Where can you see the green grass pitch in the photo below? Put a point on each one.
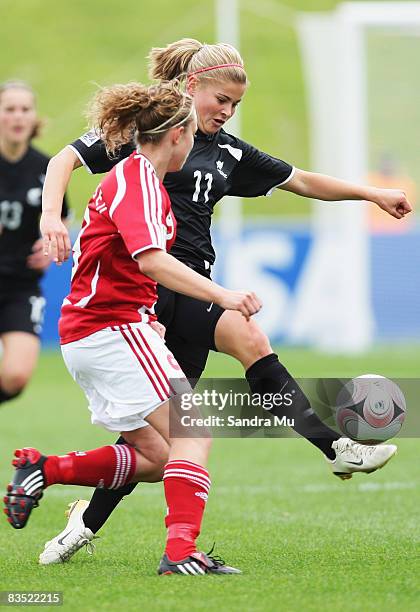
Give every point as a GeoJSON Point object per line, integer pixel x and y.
{"type": "Point", "coordinates": [304, 539]}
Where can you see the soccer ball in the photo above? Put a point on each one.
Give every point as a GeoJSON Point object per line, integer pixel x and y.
{"type": "Point", "coordinates": [370, 409]}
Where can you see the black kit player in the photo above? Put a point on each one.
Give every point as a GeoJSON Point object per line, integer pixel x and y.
{"type": "Point", "coordinates": [218, 165]}
{"type": "Point", "coordinates": [22, 262]}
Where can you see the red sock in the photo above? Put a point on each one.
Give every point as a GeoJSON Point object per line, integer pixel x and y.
{"type": "Point", "coordinates": [109, 466]}
{"type": "Point", "coordinates": [186, 489]}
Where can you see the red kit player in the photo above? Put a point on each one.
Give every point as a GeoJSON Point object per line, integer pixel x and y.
{"type": "Point", "coordinates": [108, 331]}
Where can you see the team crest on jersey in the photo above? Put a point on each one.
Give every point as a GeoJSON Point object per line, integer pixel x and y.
{"type": "Point", "coordinates": [219, 166]}
{"type": "Point", "coordinates": [90, 138]}
{"type": "Point", "coordinates": [33, 197]}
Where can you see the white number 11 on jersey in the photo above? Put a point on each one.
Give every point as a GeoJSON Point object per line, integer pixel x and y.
{"type": "Point", "coordinates": [209, 178]}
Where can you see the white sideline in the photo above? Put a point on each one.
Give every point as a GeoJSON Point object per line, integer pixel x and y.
{"type": "Point", "coordinates": [146, 491]}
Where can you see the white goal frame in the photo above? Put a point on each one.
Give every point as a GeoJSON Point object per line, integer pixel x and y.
{"type": "Point", "coordinates": [333, 52]}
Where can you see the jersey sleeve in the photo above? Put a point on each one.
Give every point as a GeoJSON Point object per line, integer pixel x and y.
{"type": "Point", "coordinates": [257, 173]}
{"type": "Point", "coordinates": [91, 151]}
{"type": "Point", "coordinates": [137, 211]}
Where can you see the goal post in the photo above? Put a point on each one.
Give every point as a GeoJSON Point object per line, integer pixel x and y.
{"type": "Point", "coordinates": [334, 53]}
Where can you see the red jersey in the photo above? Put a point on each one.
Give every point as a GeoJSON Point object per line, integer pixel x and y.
{"type": "Point", "coordinates": [130, 212]}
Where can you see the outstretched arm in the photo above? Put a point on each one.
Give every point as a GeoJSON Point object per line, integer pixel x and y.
{"type": "Point", "coordinates": [323, 187]}
{"type": "Point", "coordinates": [54, 232]}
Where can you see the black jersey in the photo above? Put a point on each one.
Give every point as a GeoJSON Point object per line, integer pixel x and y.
{"type": "Point", "coordinates": [218, 165]}
{"type": "Point", "coordinates": [20, 208]}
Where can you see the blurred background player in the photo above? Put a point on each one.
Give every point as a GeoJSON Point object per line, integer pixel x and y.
{"type": "Point", "coordinates": [22, 263]}
{"type": "Point", "coordinates": [220, 164]}
{"type": "Point", "coordinates": [109, 347]}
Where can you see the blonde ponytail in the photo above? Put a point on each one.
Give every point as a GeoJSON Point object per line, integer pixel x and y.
{"type": "Point", "coordinates": [188, 56]}
{"type": "Point", "coordinates": [172, 61]}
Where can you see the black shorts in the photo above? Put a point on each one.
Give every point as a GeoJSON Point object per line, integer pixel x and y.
{"type": "Point", "coordinates": [22, 310]}
{"type": "Point", "coordinates": [190, 326]}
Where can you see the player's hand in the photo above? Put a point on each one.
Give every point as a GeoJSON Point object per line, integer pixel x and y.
{"type": "Point", "coordinates": [158, 328]}
{"type": "Point", "coordinates": [246, 302]}
{"type": "Point", "coordinates": [56, 239]}
{"type": "Point", "coordinates": [36, 260]}
{"type": "Point", "coordinates": [394, 202]}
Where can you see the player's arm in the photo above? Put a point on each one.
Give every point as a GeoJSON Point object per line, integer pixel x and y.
{"type": "Point", "coordinates": [89, 151]}
{"type": "Point", "coordinates": [171, 273]}
{"type": "Point", "coordinates": [54, 230]}
{"type": "Point", "coordinates": [328, 188]}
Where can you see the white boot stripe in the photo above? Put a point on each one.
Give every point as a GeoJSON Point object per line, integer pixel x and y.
{"type": "Point", "coordinates": [29, 478]}
{"type": "Point", "coordinates": [34, 483]}
{"type": "Point", "coordinates": [34, 479]}
{"type": "Point", "coordinates": [34, 487]}
{"type": "Point", "coordinates": [190, 569]}
{"type": "Point", "coordinates": [182, 568]}
{"type": "Point", "coordinates": [197, 567]}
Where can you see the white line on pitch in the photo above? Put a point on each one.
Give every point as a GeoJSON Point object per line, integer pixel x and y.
{"type": "Point", "coordinates": [365, 487]}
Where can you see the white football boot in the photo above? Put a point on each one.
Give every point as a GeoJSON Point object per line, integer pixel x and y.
{"type": "Point", "coordinates": [73, 537]}
{"type": "Point", "coordinates": [354, 457]}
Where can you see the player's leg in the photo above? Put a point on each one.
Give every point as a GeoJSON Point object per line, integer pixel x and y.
{"type": "Point", "coordinates": [230, 333]}
{"type": "Point", "coordinates": [93, 515]}
{"type": "Point", "coordinates": [245, 341]}
{"type": "Point", "coordinates": [111, 466]}
{"type": "Point", "coordinates": [118, 389]}
{"type": "Point", "coordinates": [187, 485]}
{"type": "Point", "coordinates": [85, 519]}
{"type": "Point", "coordinates": [186, 490]}
{"type": "Point", "coordinates": [153, 450]}
{"type": "Point", "coordinates": [192, 360]}
{"type": "Point", "coordinates": [21, 317]}
{"type": "Point", "coordinates": [186, 481]}
{"type": "Point", "coordinates": [20, 356]}
{"type": "Point", "coordinates": [104, 501]}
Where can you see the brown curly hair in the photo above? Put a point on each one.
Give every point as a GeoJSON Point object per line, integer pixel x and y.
{"type": "Point", "coordinates": [121, 113]}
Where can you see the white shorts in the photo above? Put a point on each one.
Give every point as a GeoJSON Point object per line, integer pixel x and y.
{"type": "Point", "coordinates": [126, 373]}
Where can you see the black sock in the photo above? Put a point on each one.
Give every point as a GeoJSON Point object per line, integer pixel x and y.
{"type": "Point", "coordinates": [104, 502]}
{"type": "Point", "coordinates": [268, 375]}
{"type": "Point", "coordinates": [5, 397]}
